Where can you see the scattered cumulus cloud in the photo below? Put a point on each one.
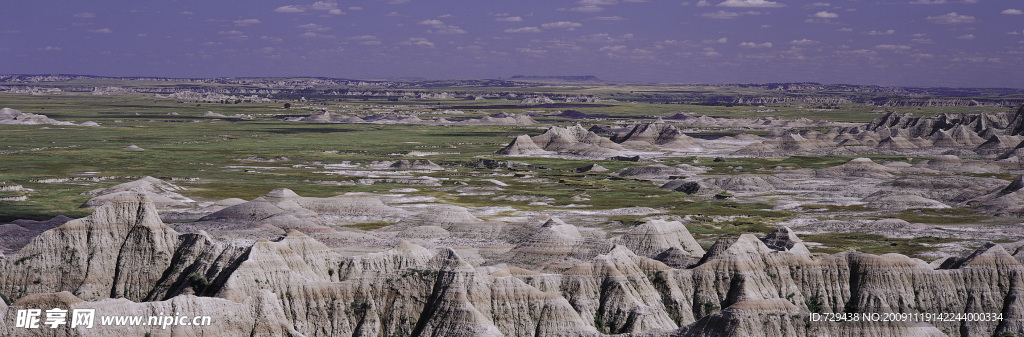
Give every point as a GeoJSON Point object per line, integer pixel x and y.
{"type": "Point", "coordinates": [825, 15]}
{"type": "Point", "coordinates": [1012, 11]}
{"type": "Point", "coordinates": [246, 22]}
{"type": "Point", "coordinates": [892, 47]}
{"type": "Point", "coordinates": [562, 24]}
{"type": "Point", "coordinates": [101, 31]}
{"type": "Point", "coordinates": [289, 9]}
{"type": "Point", "coordinates": [322, 6]}
{"type": "Point", "coordinates": [803, 42]}
{"type": "Point", "coordinates": [524, 30]}
{"type": "Point", "coordinates": [509, 19]}
{"type": "Point", "coordinates": [882, 32]}
{"type": "Point", "coordinates": [966, 37]}
{"type": "Point", "coordinates": [439, 27]}
{"type": "Point", "coordinates": [728, 15]}
{"type": "Point", "coordinates": [755, 45]}
{"type": "Point", "coordinates": [952, 18]}
{"type": "Point", "coordinates": [586, 9]}
{"type": "Point", "coordinates": [314, 27]}
{"type": "Point", "coordinates": [418, 41]}
{"type": "Point", "coordinates": [531, 51]}
{"type": "Point", "coordinates": [750, 3]}
{"type": "Point", "coordinates": [84, 15]}
{"type": "Point", "coordinates": [610, 18]}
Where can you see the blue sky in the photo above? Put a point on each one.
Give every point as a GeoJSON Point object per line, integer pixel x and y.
{"type": "Point", "coordinates": [896, 42]}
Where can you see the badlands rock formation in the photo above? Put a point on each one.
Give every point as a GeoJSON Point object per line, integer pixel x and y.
{"type": "Point", "coordinates": [563, 281]}
{"type": "Point", "coordinates": [570, 141]}
{"type": "Point", "coordinates": [12, 116]}
{"type": "Point", "coordinates": [164, 195]}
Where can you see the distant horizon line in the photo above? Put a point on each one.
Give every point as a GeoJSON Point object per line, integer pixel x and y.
{"type": "Point", "coordinates": [508, 78]}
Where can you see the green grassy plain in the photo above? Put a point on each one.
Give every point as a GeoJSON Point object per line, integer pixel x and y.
{"type": "Point", "coordinates": [180, 142]}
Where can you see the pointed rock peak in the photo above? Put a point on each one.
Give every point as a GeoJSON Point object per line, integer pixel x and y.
{"type": "Point", "coordinates": [988, 255]}
{"type": "Point", "coordinates": [295, 233]}
{"type": "Point", "coordinates": [553, 221]}
{"type": "Point", "coordinates": [743, 244]}
{"type": "Point", "coordinates": [412, 250]}
{"type": "Point", "coordinates": [134, 195]}
{"type": "Point", "coordinates": [590, 168]}
{"type": "Point", "coordinates": [659, 121]}
{"type": "Point", "coordinates": [782, 238]}
{"type": "Point", "coordinates": [282, 193]}
{"type": "Point", "coordinates": [619, 252]}
{"type": "Point", "coordinates": [1014, 186]}
{"type": "Point", "coordinates": [448, 260]}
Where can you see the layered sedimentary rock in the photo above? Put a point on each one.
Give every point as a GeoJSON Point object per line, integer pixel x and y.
{"type": "Point", "coordinates": [123, 260]}
{"type": "Point", "coordinates": [572, 141]}
{"type": "Point", "coordinates": [658, 133]}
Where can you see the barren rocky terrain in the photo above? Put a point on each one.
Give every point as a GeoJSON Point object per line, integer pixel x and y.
{"type": "Point", "coordinates": [529, 219]}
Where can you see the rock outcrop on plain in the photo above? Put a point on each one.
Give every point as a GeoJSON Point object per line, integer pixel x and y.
{"type": "Point", "coordinates": [16, 117]}
{"type": "Point", "coordinates": [569, 141]}
{"type": "Point", "coordinates": [660, 134]}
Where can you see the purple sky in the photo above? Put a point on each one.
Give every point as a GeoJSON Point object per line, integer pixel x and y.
{"type": "Point", "coordinates": [894, 42]}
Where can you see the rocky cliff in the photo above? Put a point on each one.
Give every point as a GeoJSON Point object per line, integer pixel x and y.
{"type": "Point", "coordinates": [653, 280]}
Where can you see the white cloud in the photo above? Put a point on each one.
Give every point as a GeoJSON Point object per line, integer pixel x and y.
{"type": "Point", "coordinates": [439, 27]}
{"type": "Point", "coordinates": [509, 19]}
{"type": "Point", "coordinates": [728, 15]}
{"type": "Point", "coordinates": [966, 37]}
{"type": "Point", "coordinates": [750, 3]}
{"type": "Point", "coordinates": [821, 4]}
{"type": "Point", "coordinates": [951, 18]}
{"type": "Point", "coordinates": [613, 48]}
{"type": "Point", "coordinates": [755, 45]}
{"type": "Point", "coordinates": [323, 6]}
{"type": "Point", "coordinates": [418, 41]}
{"type": "Point", "coordinates": [845, 29]}
{"type": "Point", "coordinates": [803, 42]}
{"type": "Point", "coordinates": [597, 2]}
{"type": "Point", "coordinates": [825, 15]}
{"type": "Point", "coordinates": [1012, 11]}
{"type": "Point", "coordinates": [289, 9]}
{"type": "Point", "coordinates": [882, 32]}
{"type": "Point", "coordinates": [892, 47]}
{"type": "Point", "coordinates": [246, 22]}
{"type": "Point", "coordinates": [84, 15]}
{"type": "Point", "coordinates": [50, 48]}
{"type": "Point", "coordinates": [187, 13]}
{"type": "Point", "coordinates": [524, 30]}
{"type": "Point", "coordinates": [586, 9]}
{"type": "Point", "coordinates": [314, 27]}
{"type": "Point", "coordinates": [312, 34]}
{"type": "Point", "coordinates": [101, 31]}
{"type": "Point", "coordinates": [562, 24]}
{"type": "Point", "coordinates": [531, 51]}
{"type": "Point", "coordinates": [355, 8]}
{"type": "Point", "coordinates": [610, 18]}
